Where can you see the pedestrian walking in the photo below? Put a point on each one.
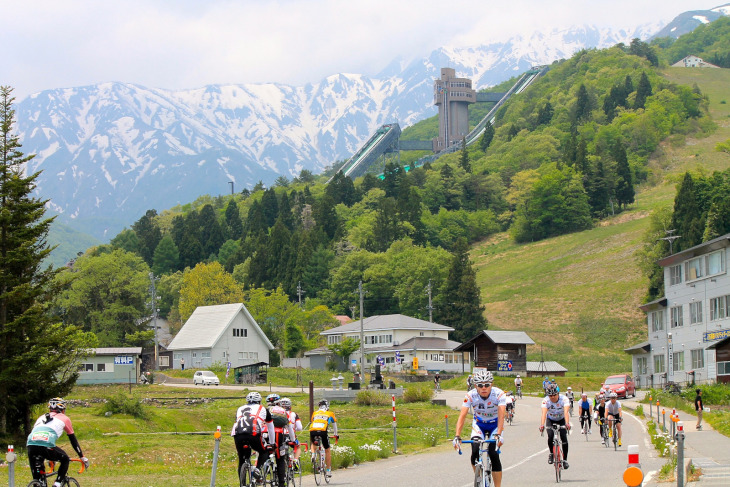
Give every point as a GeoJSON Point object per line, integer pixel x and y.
{"type": "Point", "coordinates": [699, 407]}
{"type": "Point", "coordinates": [182, 363]}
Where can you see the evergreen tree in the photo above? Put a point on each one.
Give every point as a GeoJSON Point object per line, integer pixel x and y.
{"type": "Point", "coordinates": [326, 217]}
{"type": "Point", "coordinates": [270, 207]}
{"type": "Point", "coordinates": [718, 219]}
{"type": "Point", "coordinates": [545, 114]}
{"type": "Point", "coordinates": [255, 221]}
{"type": "Point", "coordinates": [234, 224]}
{"type": "Point", "coordinates": [486, 139]}
{"type": "Point", "coordinates": [369, 181]}
{"type": "Point", "coordinates": [178, 230]}
{"type": "Point", "coordinates": [512, 131]}
{"type": "Point", "coordinates": [625, 184]}
{"type": "Point", "coordinates": [687, 218]}
{"type": "Point", "coordinates": [582, 104]}
{"type": "Point", "coordinates": [211, 233]}
{"type": "Point", "coordinates": [628, 89]}
{"type": "Point", "coordinates": [294, 339]}
{"type": "Point", "coordinates": [464, 157]}
{"type": "Point", "coordinates": [166, 258]}
{"type": "Point", "coordinates": [597, 188]}
{"type": "Point", "coordinates": [387, 228]}
{"type": "Point", "coordinates": [642, 92]}
{"type": "Point", "coordinates": [149, 235]}
{"type": "Point", "coordinates": [126, 240]}
{"type": "Point", "coordinates": [392, 175]}
{"type": "Point", "coordinates": [278, 270]}
{"type": "Point", "coordinates": [39, 357]}
{"type": "Point", "coordinates": [459, 304]}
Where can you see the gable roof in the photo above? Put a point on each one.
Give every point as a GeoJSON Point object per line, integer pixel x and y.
{"type": "Point", "coordinates": [387, 322]}
{"type": "Point", "coordinates": [206, 326]}
{"type": "Point", "coordinates": [498, 337]}
{"type": "Point", "coordinates": [421, 343]}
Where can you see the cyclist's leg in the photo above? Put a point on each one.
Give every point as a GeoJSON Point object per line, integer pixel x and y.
{"type": "Point", "coordinates": [325, 441]}
{"type": "Point", "coordinates": [618, 427]}
{"type": "Point", "coordinates": [550, 434]}
{"type": "Point", "coordinates": [56, 454]}
{"type": "Point", "coordinates": [243, 449]}
{"type": "Point", "coordinates": [496, 463]}
{"type": "Point", "coordinates": [280, 460]}
{"type": "Point", "coordinates": [564, 439]}
{"type": "Point", "coordinates": [479, 431]}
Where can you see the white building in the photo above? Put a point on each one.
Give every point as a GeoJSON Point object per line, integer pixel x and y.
{"type": "Point", "coordinates": [390, 335]}
{"type": "Point", "coordinates": [693, 314]}
{"type": "Point", "coordinates": [693, 61]}
{"type": "Point", "coordinates": [220, 334]}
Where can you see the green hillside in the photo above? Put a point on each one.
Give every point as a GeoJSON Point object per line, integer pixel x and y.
{"type": "Point", "coordinates": [577, 295]}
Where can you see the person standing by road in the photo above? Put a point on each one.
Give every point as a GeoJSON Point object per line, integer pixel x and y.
{"type": "Point", "coordinates": [489, 408]}
{"type": "Point", "coordinates": [699, 407]}
{"type": "Point", "coordinates": [182, 363]}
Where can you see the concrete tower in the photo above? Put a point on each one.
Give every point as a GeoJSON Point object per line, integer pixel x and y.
{"type": "Point", "coordinates": [452, 95]}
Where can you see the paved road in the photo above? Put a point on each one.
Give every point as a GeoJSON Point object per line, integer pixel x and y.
{"type": "Point", "coordinates": [524, 457]}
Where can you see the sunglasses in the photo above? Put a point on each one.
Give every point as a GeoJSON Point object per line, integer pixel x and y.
{"type": "Point", "coordinates": [484, 386]}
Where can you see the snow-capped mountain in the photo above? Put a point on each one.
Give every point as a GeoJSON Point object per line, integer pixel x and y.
{"type": "Point", "coordinates": [687, 22]}
{"type": "Point", "coordinates": [111, 151]}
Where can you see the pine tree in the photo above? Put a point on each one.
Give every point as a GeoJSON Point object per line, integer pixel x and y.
{"type": "Point", "coordinates": [166, 258]}
{"type": "Point", "coordinates": [486, 140]}
{"type": "Point", "coordinates": [233, 220]}
{"type": "Point", "coordinates": [39, 356]}
{"type": "Point", "coordinates": [582, 104]}
{"type": "Point", "coordinates": [687, 218]}
{"type": "Point", "coordinates": [149, 235]}
{"type": "Point", "coordinates": [625, 185]}
{"type": "Point", "coordinates": [545, 114]}
{"type": "Point", "coordinates": [642, 92]}
{"type": "Point", "coordinates": [718, 219]}
{"type": "Point", "coordinates": [460, 305]}
{"type": "Point", "coordinates": [211, 233]}
{"type": "Point", "coordinates": [464, 157]}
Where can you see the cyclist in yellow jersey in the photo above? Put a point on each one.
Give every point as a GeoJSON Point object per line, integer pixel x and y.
{"type": "Point", "coordinates": [321, 420]}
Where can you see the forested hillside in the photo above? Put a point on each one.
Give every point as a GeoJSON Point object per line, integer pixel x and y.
{"type": "Point", "coordinates": [568, 155]}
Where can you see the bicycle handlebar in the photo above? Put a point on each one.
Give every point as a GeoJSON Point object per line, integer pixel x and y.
{"type": "Point", "coordinates": [480, 442]}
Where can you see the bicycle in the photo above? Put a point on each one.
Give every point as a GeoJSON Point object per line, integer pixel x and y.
{"type": "Point", "coordinates": [69, 482]}
{"type": "Point", "coordinates": [510, 415]}
{"type": "Point", "coordinates": [245, 476]}
{"type": "Point", "coordinates": [438, 387]}
{"type": "Point", "coordinates": [604, 431]}
{"type": "Point", "coordinates": [294, 477]}
{"type": "Point", "coordinates": [319, 465]}
{"type": "Point", "coordinates": [557, 451]}
{"type": "Point", "coordinates": [519, 391]}
{"type": "Point", "coordinates": [585, 429]}
{"type": "Point", "coordinates": [613, 432]}
{"type": "Point", "coordinates": [483, 467]}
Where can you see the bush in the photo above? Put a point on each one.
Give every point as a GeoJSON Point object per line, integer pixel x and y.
{"type": "Point", "coordinates": [123, 404]}
{"type": "Point", "coordinates": [430, 436]}
{"type": "Point", "coordinates": [422, 393]}
{"type": "Point", "coordinates": [372, 398]}
{"type": "Point", "coordinates": [342, 456]}
{"type": "Point", "coordinates": [331, 365]}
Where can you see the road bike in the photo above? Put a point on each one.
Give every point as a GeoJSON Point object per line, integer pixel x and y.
{"type": "Point", "coordinates": [294, 476]}
{"type": "Point", "coordinates": [519, 391]}
{"type": "Point", "coordinates": [604, 430]}
{"type": "Point", "coordinates": [510, 415]}
{"type": "Point", "coordinates": [52, 472]}
{"type": "Point", "coordinates": [557, 451]}
{"type": "Point", "coordinates": [438, 386]}
{"type": "Point", "coordinates": [613, 433]}
{"type": "Point", "coordinates": [319, 465]}
{"type": "Point", "coordinates": [483, 467]}
{"type": "Point", "coordinates": [571, 408]}
{"type": "Point", "coordinates": [585, 429]}
{"type": "Point", "coordinates": [245, 475]}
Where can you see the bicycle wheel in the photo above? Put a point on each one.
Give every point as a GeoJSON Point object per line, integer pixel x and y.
{"type": "Point", "coordinates": [317, 466]}
{"type": "Point", "coordinates": [327, 478]}
{"type": "Point", "coordinates": [269, 474]}
{"type": "Point", "coordinates": [297, 477]}
{"type": "Point", "coordinates": [478, 476]}
{"type": "Point", "coordinates": [35, 483]}
{"type": "Point", "coordinates": [70, 482]}
{"type": "Point", "coordinates": [615, 438]}
{"type": "Point", "coordinates": [557, 461]}
{"type": "Point", "coordinates": [244, 475]}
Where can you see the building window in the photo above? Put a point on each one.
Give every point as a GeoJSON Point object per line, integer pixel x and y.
{"type": "Point", "coordinates": [706, 265]}
{"type": "Point", "coordinates": [695, 268]}
{"type": "Point", "coordinates": [677, 316]}
{"type": "Point", "coordinates": [641, 365]}
{"type": "Point", "coordinates": [240, 332]}
{"type": "Point", "coordinates": [723, 368]}
{"type": "Point", "coordinates": [101, 367]}
{"type": "Point", "coordinates": [177, 356]}
{"type": "Point", "coordinates": [719, 307]}
{"type": "Point", "coordinates": [675, 274]}
{"type": "Point", "coordinates": [698, 358]}
{"type": "Point", "coordinates": [205, 355]}
{"type": "Point", "coordinates": [334, 339]}
{"type": "Point", "coordinates": [678, 361]}
{"type": "Point", "coordinates": [657, 320]}
{"type": "Point", "coordinates": [164, 360]}
{"type": "Point", "coordinates": [659, 364]}
{"type": "Point", "coordinates": [254, 355]}
{"type": "Point", "coordinates": [86, 368]}
{"type": "Point", "coordinates": [695, 312]}
{"type": "Point", "coordinates": [716, 263]}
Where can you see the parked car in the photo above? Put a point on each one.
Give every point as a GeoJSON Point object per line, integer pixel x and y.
{"type": "Point", "coordinates": [206, 377]}
{"type": "Point", "coordinates": [622, 384]}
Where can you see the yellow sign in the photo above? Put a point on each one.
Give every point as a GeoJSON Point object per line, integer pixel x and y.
{"type": "Point", "coordinates": [415, 363]}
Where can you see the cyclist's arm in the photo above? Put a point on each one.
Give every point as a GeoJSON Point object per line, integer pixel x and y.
{"type": "Point", "coordinates": [334, 424]}
{"type": "Point", "coordinates": [462, 418]}
{"type": "Point", "coordinates": [501, 411]}
{"type": "Point", "coordinates": [298, 425]}
{"type": "Point", "coordinates": [544, 416]}
{"type": "Point", "coordinates": [566, 410]}
{"type": "Point", "coordinates": [75, 444]}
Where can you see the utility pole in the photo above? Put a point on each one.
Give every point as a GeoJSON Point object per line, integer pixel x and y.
{"type": "Point", "coordinates": [362, 334]}
{"type": "Point", "coordinates": [430, 306]}
{"type": "Point", "coordinates": [300, 291]}
{"type": "Point", "coordinates": [670, 238]}
{"type": "Point", "coordinates": [153, 294]}
{"type": "Point", "coordinates": [231, 183]}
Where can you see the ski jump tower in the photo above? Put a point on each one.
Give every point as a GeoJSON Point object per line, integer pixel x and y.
{"type": "Point", "coordinates": [453, 96]}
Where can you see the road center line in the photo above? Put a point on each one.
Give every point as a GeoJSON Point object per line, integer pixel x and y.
{"type": "Point", "coordinates": [526, 459]}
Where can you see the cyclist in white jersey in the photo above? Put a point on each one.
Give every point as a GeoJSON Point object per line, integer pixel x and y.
{"type": "Point", "coordinates": [489, 406]}
{"type": "Point", "coordinates": [556, 410]}
{"type": "Point", "coordinates": [613, 410]}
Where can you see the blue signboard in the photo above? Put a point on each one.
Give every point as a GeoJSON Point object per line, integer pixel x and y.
{"type": "Point", "coordinates": [504, 365]}
{"type": "Point", "coordinates": [711, 336]}
{"type": "Point", "coordinates": [123, 360]}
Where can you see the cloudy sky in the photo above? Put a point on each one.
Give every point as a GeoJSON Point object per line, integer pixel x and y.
{"type": "Point", "coordinates": [191, 43]}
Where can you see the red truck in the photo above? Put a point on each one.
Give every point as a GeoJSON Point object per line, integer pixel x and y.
{"type": "Point", "coordinates": [622, 384]}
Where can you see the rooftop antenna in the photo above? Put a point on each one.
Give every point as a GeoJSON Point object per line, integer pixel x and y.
{"type": "Point", "coordinates": [670, 238]}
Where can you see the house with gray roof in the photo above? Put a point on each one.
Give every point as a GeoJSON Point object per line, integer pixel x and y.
{"type": "Point", "coordinates": [220, 334]}
{"type": "Point", "coordinates": [114, 365]}
{"type": "Point", "coordinates": [502, 352]}
{"type": "Point", "coordinates": [397, 340]}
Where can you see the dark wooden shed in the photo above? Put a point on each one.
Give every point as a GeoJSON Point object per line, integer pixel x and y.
{"type": "Point", "coordinates": [722, 359]}
{"type": "Point", "coordinates": [252, 373]}
{"type": "Point", "coordinates": [503, 352]}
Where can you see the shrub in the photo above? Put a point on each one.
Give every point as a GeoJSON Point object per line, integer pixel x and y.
{"type": "Point", "coordinates": [372, 398]}
{"type": "Point", "coordinates": [331, 365]}
{"type": "Point", "coordinates": [429, 436]}
{"type": "Point", "coordinates": [123, 404]}
{"type": "Point", "coordinates": [371, 452]}
{"type": "Point", "coordinates": [342, 456]}
{"type": "Point", "coordinates": [422, 393]}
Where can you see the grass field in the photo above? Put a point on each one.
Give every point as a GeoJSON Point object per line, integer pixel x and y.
{"type": "Point", "coordinates": [577, 295]}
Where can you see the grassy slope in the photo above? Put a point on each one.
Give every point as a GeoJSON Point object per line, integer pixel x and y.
{"type": "Point", "coordinates": [578, 295]}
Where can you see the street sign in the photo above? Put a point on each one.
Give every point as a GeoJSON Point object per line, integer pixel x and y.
{"type": "Point", "coordinates": [504, 366]}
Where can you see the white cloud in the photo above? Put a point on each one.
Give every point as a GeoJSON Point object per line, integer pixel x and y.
{"type": "Point", "coordinates": [189, 43]}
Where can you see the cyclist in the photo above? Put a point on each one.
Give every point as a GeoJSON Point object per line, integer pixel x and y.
{"type": "Point", "coordinates": [518, 384]}
{"type": "Point", "coordinates": [437, 382]}
{"type": "Point", "coordinates": [613, 411]}
{"type": "Point", "coordinates": [545, 383]}
{"type": "Point", "coordinates": [510, 402]}
{"type": "Point", "coordinates": [469, 383]}
{"type": "Point", "coordinates": [282, 426]}
{"type": "Point", "coordinates": [489, 405]}
{"type": "Point", "coordinates": [252, 420]}
{"type": "Point", "coordinates": [569, 395]}
{"type": "Point", "coordinates": [42, 441]}
{"type": "Point", "coordinates": [555, 410]}
{"type": "Point", "coordinates": [584, 411]}
{"type": "Point", "coordinates": [321, 420]}
{"type": "Point", "coordinates": [285, 402]}
{"type": "Point", "coordinates": [600, 413]}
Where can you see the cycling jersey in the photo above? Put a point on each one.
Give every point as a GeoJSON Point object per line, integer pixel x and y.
{"type": "Point", "coordinates": [252, 419]}
{"type": "Point", "coordinates": [49, 428]}
{"type": "Point", "coordinates": [555, 410]}
{"type": "Point", "coordinates": [601, 408]}
{"type": "Point", "coordinates": [613, 409]}
{"type": "Point", "coordinates": [294, 420]}
{"type": "Point", "coordinates": [321, 420]}
{"type": "Point", "coordinates": [485, 409]}
{"type": "Point", "coordinates": [585, 407]}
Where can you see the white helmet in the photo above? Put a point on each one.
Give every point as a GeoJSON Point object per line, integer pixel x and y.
{"type": "Point", "coordinates": [483, 376]}
{"type": "Point", "coordinates": [570, 388]}
{"type": "Point", "coordinates": [613, 395]}
{"type": "Point", "coordinates": [253, 398]}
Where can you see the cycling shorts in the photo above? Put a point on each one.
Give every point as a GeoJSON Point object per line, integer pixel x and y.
{"type": "Point", "coordinates": [320, 436]}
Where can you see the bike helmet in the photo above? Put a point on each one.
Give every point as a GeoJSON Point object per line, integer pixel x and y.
{"type": "Point", "coordinates": [570, 388]}
{"type": "Point", "coordinates": [273, 399]}
{"type": "Point", "coordinates": [483, 377]}
{"type": "Point", "coordinates": [253, 398]}
{"type": "Point", "coordinates": [324, 405]}
{"type": "Point", "coordinates": [551, 389]}
{"type": "Point", "coordinates": [57, 404]}
{"type": "Point", "coordinates": [285, 402]}
{"type": "Point", "coordinates": [518, 376]}
{"type": "Point", "coordinates": [583, 394]}
{"type": "Point", "coordinates": [613, 395]}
